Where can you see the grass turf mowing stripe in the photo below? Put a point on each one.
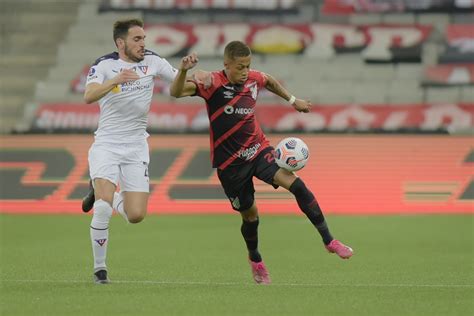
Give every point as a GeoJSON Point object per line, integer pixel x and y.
{"type": "Point", "coordinates": [246, 284]}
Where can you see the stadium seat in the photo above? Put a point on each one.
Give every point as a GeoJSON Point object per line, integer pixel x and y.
{"type": "Point", "coordinates": [398, 18]}
{"type": "Point", "coordinates": [408, 71]}
{"type": "Point", "coordinates": [31, 33]}
{"type": "Point", "coordinates": [365, 18]}
{"type": "Point", "coordinates": [437, 20]}
{"type": "Point", "coordinates": [442, 94]}
{"type": "Point", "coordinates": [54, 92]}
{"type": "Point", "coordinates": [467, 94]}
{"type": "Point", "coordinates": [378, 72]}
{"type": "Point", "coordinates": [462, 18]}
{"type": "Point", "coordinates": [404, 91]}
{"type": "Point", "coordinates": [370, 92]}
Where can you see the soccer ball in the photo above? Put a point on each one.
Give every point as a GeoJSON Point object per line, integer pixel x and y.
{"type": "Point", "coordinates": [291, 154]}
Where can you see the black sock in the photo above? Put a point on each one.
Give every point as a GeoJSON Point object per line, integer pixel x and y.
{"type": "Point", "coordinates": [250, 233]}
{"type": "Point", "coordinates": [308, 204]}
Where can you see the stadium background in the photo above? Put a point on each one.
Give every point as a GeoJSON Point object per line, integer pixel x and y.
{"type": "Point", "coordinates": [375, 68]}
{"type": "Point", "coordinates": [392, 83]}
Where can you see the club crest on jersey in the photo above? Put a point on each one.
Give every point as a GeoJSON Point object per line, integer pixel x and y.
{"type": "Point", "coordinates": [101, 242]}
{"type": "Point", "coordinates": [143, 69]}
{"type": "Point", "coordinates": [251, 84]}
{"type": "Point", "coordinates": [253, 89]}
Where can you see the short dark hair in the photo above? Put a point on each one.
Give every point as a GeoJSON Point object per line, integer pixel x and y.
{"type": "Point", "coordinates": [121, 27]}
{"type": "Point", "coordinates": [236, 49]}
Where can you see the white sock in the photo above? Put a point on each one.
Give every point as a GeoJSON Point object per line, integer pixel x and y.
{"type": "Point", "coordinates": [99, 232]}
{"type": "Point", "coordinates": [118, 205]}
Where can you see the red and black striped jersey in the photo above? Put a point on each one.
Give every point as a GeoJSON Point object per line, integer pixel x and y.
{"type": "Point", "coordinates": [235, 134]}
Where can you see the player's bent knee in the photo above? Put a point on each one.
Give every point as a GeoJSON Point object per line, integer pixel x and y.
{"type": "Point", "coordinates": [249, 217]}
{"type": "Point", "coordinates": [136, 217]}
{"type": "Point", "coordinates": [250, 214]}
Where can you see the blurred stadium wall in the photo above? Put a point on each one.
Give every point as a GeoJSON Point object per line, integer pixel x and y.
{"type": "Point", "coordinates": [376, 67]}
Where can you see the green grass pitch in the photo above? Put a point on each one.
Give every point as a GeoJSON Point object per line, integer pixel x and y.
{"type": "Point", "coordinates": [197, 265]}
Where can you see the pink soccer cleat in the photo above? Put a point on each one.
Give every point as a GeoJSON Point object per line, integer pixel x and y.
{"type": "Point", "coordinates": [260, 273]}
{"type": "Point", "coordinates": [343, 251]}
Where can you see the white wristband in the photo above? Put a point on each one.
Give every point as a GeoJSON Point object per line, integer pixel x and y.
{"type": "Point", "coordinates": [292, 100]}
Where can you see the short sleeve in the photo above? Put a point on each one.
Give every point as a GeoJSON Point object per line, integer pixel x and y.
{"type": "Point", "coordinates": [206, 93]}
{"type": "Point", "coordinates": [164, 70]}
{"type": "Point", "coordinates": [96, 74]}
{"type": "Point", "coordinates": [261, 78]}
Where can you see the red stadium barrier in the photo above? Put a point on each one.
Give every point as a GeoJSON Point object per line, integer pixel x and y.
{"type": "Point", "coordinates": [348, 174]}
{"type": "Point", "coordinates": [58, 117]}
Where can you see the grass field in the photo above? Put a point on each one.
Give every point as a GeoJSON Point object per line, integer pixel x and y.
{"type": "Point", "coordinates": [196, 265]}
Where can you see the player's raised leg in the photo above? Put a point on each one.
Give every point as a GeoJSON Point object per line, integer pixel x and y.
{"type": "Point", "coordinates": [99, 229]}
{"type": "Point", "coordinates": [310, 207]}
{"type": "Point", "coordinates": [118, 205]}
{"type": "Point", "coordinates": [132, 202]}
{"type": "Point", "coordinates": [133, 206]}
{"type": "Point", "coordinates": [249, 230]}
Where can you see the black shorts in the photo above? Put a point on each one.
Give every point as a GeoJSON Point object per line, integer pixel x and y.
{"type": "Point", "coordinates": [237, 181]}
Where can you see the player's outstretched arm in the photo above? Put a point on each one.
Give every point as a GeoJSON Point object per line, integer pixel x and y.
{"type": "Point", "coordinates": [275, 87]}
{"type": "Point", "coordinates": [95, 91]}
{"type": "Point", "coordinates": [180, 87]}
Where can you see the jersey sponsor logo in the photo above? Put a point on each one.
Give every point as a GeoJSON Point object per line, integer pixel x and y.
{"type": "Point", "coordinates": [250, 152]}
{"type": "Point", "coordinates": [134, 86]}
{"type": "Point", "coordinates": [116, 89]}
{"type": "Point", "coordinates": [101, 242]}
{"type": "Point", "coordinates": [229, 109]}
{"type": "Point", "coordinates": [244, 111]}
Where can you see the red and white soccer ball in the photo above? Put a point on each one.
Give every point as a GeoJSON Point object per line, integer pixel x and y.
{"type": "Point", "coordinates": [291, 154]}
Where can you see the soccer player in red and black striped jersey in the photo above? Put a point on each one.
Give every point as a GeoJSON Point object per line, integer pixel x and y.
{"type": "Point", "coordinates": [240, 150]}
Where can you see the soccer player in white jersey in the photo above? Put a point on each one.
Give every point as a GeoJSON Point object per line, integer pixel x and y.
{"type": "Point", "coordinates": [122, 83]}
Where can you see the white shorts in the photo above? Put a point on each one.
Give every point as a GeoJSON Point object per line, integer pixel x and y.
{"type": "Point", "coordinates": [122, 164]}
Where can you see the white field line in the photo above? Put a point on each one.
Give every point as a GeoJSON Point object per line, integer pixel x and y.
{"type": "Point", "coordinates": [202, 283]}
